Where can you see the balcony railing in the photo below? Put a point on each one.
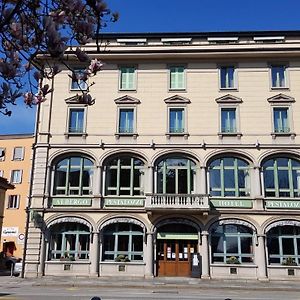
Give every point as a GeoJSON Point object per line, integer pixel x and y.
{"type": "Point", "coordinates": [176, 201]}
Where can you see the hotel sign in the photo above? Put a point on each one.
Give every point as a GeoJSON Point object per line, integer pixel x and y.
{"type": "Point", "coordinates": [10, 231]}
{"type": "Point", "coordinates": [224, 203]}
{"type": "Point", "coordinates": [139, 202]}
{"type": "Point", "coordinates": [71, 201]}
{"type": "Point", "coordinates": [282, 204]}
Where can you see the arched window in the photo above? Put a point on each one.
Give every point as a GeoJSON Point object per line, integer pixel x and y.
{"type": "Point", "coordinates": [232, 243]}
{"type": "Point", "coordinates": [283, 244]}
{"type": "Point", "coordinates": [124, 176]}
{"type": "Point", "coordinates": [122, 242]}
{"type": "Point", "coordinates": [69, 241]}
{"type": "Point", "coordinates": [175, 175]}
{"type": "Point", "coordinates": [282, 177]}
{"type": "Point", "coordinates": [230, 177]}
{"type": "Point", "coordinates": [73, 176]}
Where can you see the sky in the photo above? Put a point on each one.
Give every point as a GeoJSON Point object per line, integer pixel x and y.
{"type": "Point", "coordinates": [181, 16]}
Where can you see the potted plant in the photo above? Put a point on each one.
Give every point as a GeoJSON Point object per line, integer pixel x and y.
{"type": "Point", "coordinates": [122, 258]}
{"type": "Point", "coordinates": [289, 261]}
{"type": "Point", "coordinates": [233, 260]}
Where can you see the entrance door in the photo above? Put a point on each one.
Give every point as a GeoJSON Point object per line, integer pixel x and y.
{"type": "Point", "coordinates": [174, 257]}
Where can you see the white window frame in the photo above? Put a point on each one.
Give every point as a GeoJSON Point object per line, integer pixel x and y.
{"type": "Point", "coordinates": [16, 202]}
{"type": "Point", "coordinates": [185, 122]}
{"type": "Point", "coordinates": [235, 77]}
{"type": "Point", "coordinates": [11, 176]}
{"type": "Point", "coordinates": [76, 70]}
{"type": "Point", "coordinates": [2, 151]}
{"type": "Point", "coordinates": [74, 106]}
{"type": "Point", "coordinates": [184, 78]}
{"type": "Point", "coordinates": [237, 118]}
{"type": "Point", "coordinates": [286, 76]}
{"type": "Point", "coordinates": [134, 88]}
{"type": "Point", "coordinates": [14, 153]}
{"type": "Point", "coordinates": [134, 108]}
{"type": "Point", "coordinates": [289, 115]}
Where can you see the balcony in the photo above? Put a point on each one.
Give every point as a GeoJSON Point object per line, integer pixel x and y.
{"type": "Point", "coordinates": [174, 202]}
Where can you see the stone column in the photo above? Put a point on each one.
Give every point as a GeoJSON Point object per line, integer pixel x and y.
{"type": "Point", "coordinates": [261, 258]}
{"type": "Point", "coordinates": [202, 180]}
{"type": "Point", "coordinates": [94, 254]}
{"type": "Point", "coordinates": [97, 187]}
{"type": "Point", "coordinates": [149, 188]}
{"type": "Point", "coordinates": [149, 255]}
{"type": "Point", "coordinates": [256, 191]}
{"type": "Point", "coordinates": [205, 256]}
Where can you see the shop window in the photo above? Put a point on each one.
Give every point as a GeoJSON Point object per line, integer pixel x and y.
{"type": "Point", "coordinates": [229, 177]}
{"type": "Point", "coordinates": [73, 176]}
{"type": "Point", "coordinates": [123, 242]}
{"type": "Point", "coordinates": [232, 244]}
{"type": "Point", "coordinates": [281, 177]}
{"type": "Point", "coordinates": [124, 176]}
{"type": "Point", "coordinates": [69, 241]}
{"type": "Point", "coordinates": [283, 244]}
{"type": "Point", "coordinates": [175, 175]}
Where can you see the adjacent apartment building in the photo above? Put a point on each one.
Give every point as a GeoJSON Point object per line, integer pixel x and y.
{"type": "Point", "coordinates": [15, 166]}
{"type": "Point", "coordinates": [188, 163]}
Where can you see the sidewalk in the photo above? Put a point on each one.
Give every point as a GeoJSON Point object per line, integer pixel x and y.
{"type": "Point", "coordinates": [161, 282]}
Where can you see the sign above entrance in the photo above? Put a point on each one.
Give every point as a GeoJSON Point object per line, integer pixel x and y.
{"type": "Point", "coordinates": [71, 201]}
{"type": "Point", "coordinates": [282, 204]}
{"type": "Point", "coordinates": [138, 202]}
{"type": "Point", "coordinates": [176, 236]}
{"type": "Point", "coordinates": [231, 203]}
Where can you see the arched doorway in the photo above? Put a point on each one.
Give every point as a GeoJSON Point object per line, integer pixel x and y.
{"type": "Point", "coordinates": [176, 245]}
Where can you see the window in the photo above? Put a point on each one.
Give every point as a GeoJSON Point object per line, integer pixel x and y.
{"type": "Point", "coordinates": [283, 244]}
{"type": "Point", "coordinates": [123, 240]}
{"type": "Point", "coordinates": [69, 241]}
{"type": "Point", "coordinates": [1, 173]}
{"type": "Point", "coordinates": [176, 120]}
{"type": "Point", "coordinates": [281, 120]}
{"type": "Point", "coordinates": [177, 78]}
{"type": "Point", "coordinates": [13, 201]}
{"type": "Point", "coordinates": [77, 82]}
{"type": "Point", "coordinates": [175, 175]}
{"type": "Point", "coordinates": [18, 153]}
{"type": "Point", "coordinates": [126, 120]}
{"type": "Point", "coordinates": [232, 243]}
{"type": "Point", "coordinates": [229, 177]}
{"type": "Point", "coordinates": [282, 177]}
{"type": "Point", "coordinates": [76, 120]}
{"type": "Point", "coordinates": [127, 78]}
{"type": "Point", "coordinates": [228, 120]}
{"type": "Point", "coordinates": [227, 77]}
{"type": "Point", "coordinates": [2, 154]}
{"type": "Point", "coordinates": [16, 176]}
{"type": "Point", "coordinates": [278, 76]}
{"type": "Point", "coordinates": [124, 176]}
{"type": "Point", "coordinates": [73, 176]}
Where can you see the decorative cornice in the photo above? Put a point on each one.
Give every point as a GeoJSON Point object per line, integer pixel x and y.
{"type": "Point", "coordinates": [177, 99]}
{"type": "Point", "coordinates": [281, 98]}
{"type": "Point", "coordinates": [127, 100]}
{"type": "Point", "coordinates": [73, 99]}
{"type": "Point", "coordinates": [229, 99]}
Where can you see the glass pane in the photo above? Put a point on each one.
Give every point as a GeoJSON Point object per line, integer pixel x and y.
{"type": "Point", "coordinates": [287, 230]}
{"type": "Point", "coordinates": [109, 242]}
{"type": "Point", "coordinates": [126, 121]}
{"type": "Point", "coordinates": [137, 243]}
{"type": "Point", "coordinates": [229, 180]}
{"type": "Point", "coordinates": [231, 245]}
{"type": "Point", "coordinates": [137, 177]}
{"type": "Point", "coordinates": [227, 77]}
{"type": "Point", "coordinates": [228, 161]}
{"type": "Point", "coordinates": [182, 182]}
{"type": "Point", "coordinates": [283, 179]}
{"type": "Point", "coordinates": [170, 181]}
{"type": "Point", "coordinates": [278, 78]}
{"type": "Point", "coordinates": [160, 181]}
{"type": "Point", "coordinates": [228, 120]}
{"type": "Point", "coordinates": [176, 120]}
{"type": "Point", "coordinates": [215, 178]}
{"type": "Point", "coordinates": [288, 246]}
{"type": "Point", "coordinates": [246, 245]}
{"type": "Point", "coordinates": [269, 179]}
{"type": "Point", "coordinates": [125, 177]}
{"type": "Point", "coordinates": [111, 178]}
{"type": "Point", "coordinates": [123, 241]}
{"type": "Point", "coordinates": [217, 244]}
{"type": "Point", "coordinates": [76, 120]}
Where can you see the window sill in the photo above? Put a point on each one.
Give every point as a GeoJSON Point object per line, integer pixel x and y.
{"type": "Point", "coordinates": [129, 134]}
{"type": "Point", "coordinates": [78, 134]}
{"type": "Point", "coordinates": [242, 265]}
{"type": "Point", "coordinates": [127, 90]}
{"type": "Point", "coordinates": [177, 90]}
{"type": "Point", "coordinates": [233, 89]}
{"type": "Point", "coordinates": [78, 90]}
{"type": "Point", "coordinates": [78, 262]}
{"type": "Point", "coordinates": [231, 134]}
{"type": "Point", "coordinates": [275, 88]}
{"type": "Point", "coordinates": [283, 134]}
{"type": "Point", "coordinates": [112, 262]}
{"type": "Point", "coordinates": [170, 134]}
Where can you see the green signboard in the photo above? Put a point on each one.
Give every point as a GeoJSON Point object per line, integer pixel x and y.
{"type": "Point", "coordinates": [71, 201]}
{"type": "Point", "coordinates": [134, 202]}
{"type": "Point", "coordinates": [282, 204]}
{"type": "Point", "coordinates": [230, 203]}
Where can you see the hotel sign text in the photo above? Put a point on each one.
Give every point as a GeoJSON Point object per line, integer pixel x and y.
{"type": "Point", "coordinates": [231, 203]}
{"type": "Point", "coordinates": [282, 204]}
{"type": "Point", "coordinates": [71, 201]}
{"type": "Point", "coordinates": [124, 202]}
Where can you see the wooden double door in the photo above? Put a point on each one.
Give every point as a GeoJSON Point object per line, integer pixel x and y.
{"type": "Point", "coordinates": [174, 257]}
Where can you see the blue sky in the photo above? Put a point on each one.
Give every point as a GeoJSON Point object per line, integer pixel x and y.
{"type": "Point", "coordinates": [184, 16]}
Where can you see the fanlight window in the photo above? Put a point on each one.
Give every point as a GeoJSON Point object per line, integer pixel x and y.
{"type": "Point", "coordinates": [282, 177]}
{"type": "Point", "coordinates": [175, 175]}
{"type": "Point", "coordinates": [73, 176]}
{"type": "Point", "coordinates": [229, 176]}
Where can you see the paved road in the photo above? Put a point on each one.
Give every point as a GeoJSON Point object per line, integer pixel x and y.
{"type": "Point", "coordinates": [124, 293]}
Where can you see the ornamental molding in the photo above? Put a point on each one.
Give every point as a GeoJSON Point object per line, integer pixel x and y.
{"type": "Point", "coordinates": [282, 223]}
{"type": "Point", "coordinates": [177, 99]}
{"type": "Point", "coordinates": [232, 222]}
{"type": "Point", "coordinates": [281, 98]}
{"type": "Point", "coordinates": [229, 99]}
{"type": "Point", "coordinates": [127, 100]}
{"type": "Point", "coordinates": [177, 221]}
{"type": "Point", "coordinates": [73, 100]}
{"type": "Point", "coordinates": [122, 220]}
{"type": "Point", "coordinates": [70, 220]}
